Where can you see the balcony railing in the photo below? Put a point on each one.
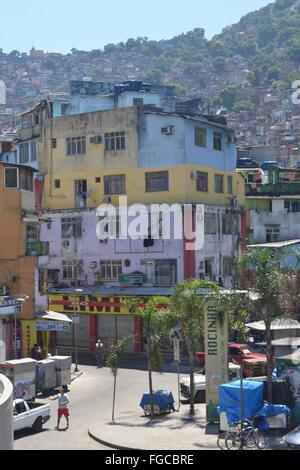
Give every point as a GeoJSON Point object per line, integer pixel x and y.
{"type": "Point", "coordinates": [278, 189]}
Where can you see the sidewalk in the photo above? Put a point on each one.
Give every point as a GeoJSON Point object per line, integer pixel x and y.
{"type": "Point", "coordinates": [175, 431]}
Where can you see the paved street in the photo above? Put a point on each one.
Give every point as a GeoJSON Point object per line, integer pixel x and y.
{"type": "Point", "coordinates": [91, 395]}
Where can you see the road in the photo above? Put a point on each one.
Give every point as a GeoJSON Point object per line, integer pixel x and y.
{"type": "Point", "coordinates": [90, 395]}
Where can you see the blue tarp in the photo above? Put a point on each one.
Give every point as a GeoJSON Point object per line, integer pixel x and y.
{"type": "Point", "coordinates": [162, 398]}
{"type": "Point", "coordinates": [230, 397]}
{"type": "Point", "coordinates": [269, 411]}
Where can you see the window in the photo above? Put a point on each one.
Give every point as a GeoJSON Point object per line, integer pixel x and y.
{"type": "Point", "coordinates": [202, 181]}
{"type": "Point", "coordinates": [200, 137]}
{"type": "Point", "coordinates": [76, 145]}
{"type": "Point", "coordinates": [112, 228]}
{"type": "Point", "coordinates": [210, 224]}
{"type": "Point", "coordinates": [57, 184]}
{"type": "Point", "coordinates": [272, 234]}
{"type": "Point", "coordinates": [229, 184]}
{"type": "Point", "coordinates": [114, 184]}
{"type": "Point", "coordinates": [72, 269]}
{"type": "Point", "coordinates": [217, 141]}
{"type": "Point", "coordinates": [11, 178]}
{"type": "Point", "coordinates": [24, 152]}
{"type": "Point", "coordinates": [20, 408]}
{"type": "Point", "coordinates": [31, 240]}
{"type": "Point", "coordinates": [292, 206]}
{"type": "Point", "coordinates": [209, 268]}
{"type": "Point", "coordinates": [54, 143]}
{"type": "Point", "coordinates": [26, 179]}
{"type": "Point", "coordinates": [165, 272]}
{"type": "Point", "coordinates": [53, 277]}
{"type": "Point", "coordinates": [71, 227]}
{"type": "Point", "coordinates": [147, 268]}
{"type": "Point", "coordinates": [110, 269]}
{"type": "Point", "coordinates": [157, 181]}
{"type": "Point", "coordinates": [219, 184]}
{"type": "Point", "coordinates": [80, 193]}
{"type": "Point", "coordinates": [227, 223]}
{"type": "Point", "coordinates": [227, 266]}
{"type": "Point", "coordinates": [97, 179]}
{"type": "Point", "coordinates": [138, 101]}
{"type": "Point", "coordinates": [33, 150]}
{"type": "Point", "coordinates": [114, 141]}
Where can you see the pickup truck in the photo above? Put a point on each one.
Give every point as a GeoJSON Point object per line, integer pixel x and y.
{"type": "Point", "coordinates": [200, 383]}
{"type": "Point", "coordinates": [30, 415]}
{"type": "Point", "coordinates": [240, 354]}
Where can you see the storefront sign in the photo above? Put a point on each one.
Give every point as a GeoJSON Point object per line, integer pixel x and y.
{"type": "Point", "coordinates": [48, 325]}
{"type": "Point", "coordinates": [136, 278]}
{"type": "Point", "coordinates": [216, 357]}
{"type": "Point", "coordinates": [93, 304]}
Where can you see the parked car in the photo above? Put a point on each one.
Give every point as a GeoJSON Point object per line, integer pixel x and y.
{"type": "Point", "coordinates": [292, 439]}
{"type": "Point", "coordinates": [200, 383]}
{"type": "Point", "coordinates": [245, 162]}
{"type": "Point", "coordinates": [30, 415]}
{"type": "Point", "coordinates": [265, 166]}
{"type": "Point", "coordinates": [237, 353]}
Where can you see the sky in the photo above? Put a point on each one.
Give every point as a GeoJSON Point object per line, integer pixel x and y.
{"type": "Point", "coordinates": [60, 25]}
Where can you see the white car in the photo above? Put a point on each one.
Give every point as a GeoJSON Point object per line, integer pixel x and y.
{"type": "Point", "coordinates": [30, 415]}
{"type": "Point", "coordinates": [200, 383]}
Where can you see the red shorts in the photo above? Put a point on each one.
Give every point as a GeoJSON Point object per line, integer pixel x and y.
{"type": "Point", "coordinates": [63, 412]}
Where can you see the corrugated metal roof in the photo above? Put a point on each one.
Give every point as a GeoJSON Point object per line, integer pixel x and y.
{"type": "Point", "coordinates": [49, 315]}
{"type": "Point", "coordinates": [275, 244]}
{"type": "Point", "coordinates": [278, 324]}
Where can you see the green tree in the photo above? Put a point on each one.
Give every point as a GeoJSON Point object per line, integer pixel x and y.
{"type": "Point", "coordinates": [113, 361]}
{"type": "Point", "coordinates": [268, 273]}
{"type": "Point", "coordinates": [187, 308]}
{"type": "Point", "coordinates": [157, 322]}
{"type": "Point", "coordinates": [229, 95]}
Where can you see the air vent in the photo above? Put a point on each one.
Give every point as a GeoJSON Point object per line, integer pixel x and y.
{"type": "Point", "coordinates": [167, 130]}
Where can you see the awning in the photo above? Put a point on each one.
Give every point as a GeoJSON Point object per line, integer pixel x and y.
{"type": "Point", "coordinates": [278, 324]}
{"type": "Point", "coordinates": [49, 315]}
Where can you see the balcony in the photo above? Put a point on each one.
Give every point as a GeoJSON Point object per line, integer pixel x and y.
{"type": "Point", "coordinates": [272, 190]}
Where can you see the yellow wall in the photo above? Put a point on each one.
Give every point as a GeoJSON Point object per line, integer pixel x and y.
{"type": "Point", "coordinates": [16, 269]}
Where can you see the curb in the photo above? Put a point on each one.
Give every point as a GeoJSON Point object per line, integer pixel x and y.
{"type": "Point", "coordinates": [77, 376]}
{"type": "Point", "coordinates": [110, 444]}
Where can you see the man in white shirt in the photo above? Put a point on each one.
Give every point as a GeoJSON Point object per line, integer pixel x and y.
{"type": "Point", "coordinates": [63, 401]}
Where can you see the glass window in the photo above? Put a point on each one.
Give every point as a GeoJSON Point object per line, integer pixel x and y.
{"type": "Point", "coordinates": [114, 141]}
{"type": "Point", "coordinates": [114, 184]}
{"type": "Point", "coordinates": [110, 269]}
{"type": "Point", "coordinates": [26, 179]}
{"type": "Point", "coordinates": [157, 181]}
{"type": "Point", "coordinates": [202, 181]}
{"type": "Point", "coordinates": [71, 227]}
{"type": "Point", "coordinates": [76, 145]}
{"type": "Point", "coordinates": [165, 272]}
{"type": "Point", "coordinates": [33, 150]}
{"type": "Point", "coordinates": [227, 266]}
{"type": "Point", "coordinates": [147, 268]}
{"type": "Point", "coordinates": [272, 234]}
{"type": "Point", "coordinates": [227, 223]}
{"type": "Point", "coordinates": [200, 136]}
{"type": "Point", "coordinates": [24, 152]}
{"type": "Point", "coordinates": [11, 178]}
{"type": "Point", "coordinates": [210, 224]}
{"type": "Point", "coordinates": [219, 184]}
{"type": "Point", "coordinates": [217, 141]}
{"type": "Point", "coordinates": [31, 243]}
{"type": "Point", "coordinates": [72, 269]}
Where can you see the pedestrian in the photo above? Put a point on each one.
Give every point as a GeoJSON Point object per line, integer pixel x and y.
{"type": "Point", "coordinates": [99, 353]}
{"type": "Point", "coordinates": [36, 353]}
{"type": "Point", "coordinates": [63, 410]}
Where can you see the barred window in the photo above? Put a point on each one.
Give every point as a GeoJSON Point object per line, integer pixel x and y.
{"type": "Point", "coordinates": [157, 181]}
{"type": "Point", "coordinates": [229, 184]}
{"type": "Point", "coordinates": [71, 227]}
{"type": "Point", "coordinates": [114, 184]}
{"type": "Point", "coordinates": [219, 184]}
{"type": "Point", "coordinates": [202, 181]}
{"type": "Point", "coordinates": [33, 150]}
{"type": "Point", "coordinates": [76, 145]}
{"type": "Point", "coordinates": [114, 141]}
{"type": "Point", "coordinates": [217, 141]}
{"type": "Point", "coordinates": [227, 266]}
{"type": "Point", "coordinates": [210, 224]}
{"type": "Point", "coordinates": [24, 152]}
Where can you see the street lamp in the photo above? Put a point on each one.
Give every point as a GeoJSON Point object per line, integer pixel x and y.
{"type": "Point", "coordinates": [21, 300]}
{"type": "Point", "coordinates": [75, 330]}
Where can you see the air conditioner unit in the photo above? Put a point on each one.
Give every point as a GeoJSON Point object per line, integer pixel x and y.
{"type": "Point", "coordinates": [106, 199]}
{"type": "Point", "coordinates": [194, 175]}
{"type": "Point", "coordinates": [168, 130]}
{"type": "Point", "coordinates": [66, 244]}
{"type": "Point", "coordinates": [93, 265]}
{"type": "Point", "coordinates": [103, 240]}
{"type": "Point", "coordinates": [97, 139]}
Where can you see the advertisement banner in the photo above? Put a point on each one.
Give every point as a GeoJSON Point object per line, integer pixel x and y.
{"type": "Point", "coordinates": [48, 325]}
{"type": "Point", "coordinates": [29, 336]}
{"type": "Point", "coordinates": [216, 357]}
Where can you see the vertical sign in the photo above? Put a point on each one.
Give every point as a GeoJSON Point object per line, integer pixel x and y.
{"type": "Point", "coordinates": [216, 357]}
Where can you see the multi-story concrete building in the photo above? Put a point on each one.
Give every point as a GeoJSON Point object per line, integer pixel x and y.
{"type": "Point", "coordinates": [151, 156]}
